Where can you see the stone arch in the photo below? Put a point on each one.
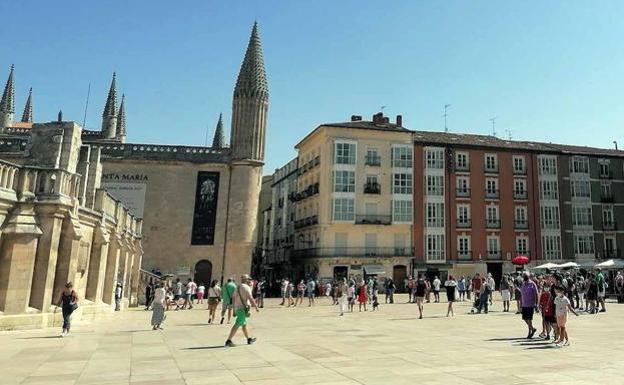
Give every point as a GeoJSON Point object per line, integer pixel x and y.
{"type": "Point", "coordinates": [203, 272]}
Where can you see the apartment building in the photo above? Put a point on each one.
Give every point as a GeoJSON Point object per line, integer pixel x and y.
{"type": "Point", "coordinates": [354, 201]}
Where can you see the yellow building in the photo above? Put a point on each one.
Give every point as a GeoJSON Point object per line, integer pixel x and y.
{"type": "Point", "coordinates": [354, 200]}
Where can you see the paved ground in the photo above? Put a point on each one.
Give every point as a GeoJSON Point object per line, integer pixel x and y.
{"type": "Point", "coordinates": [305, 346]}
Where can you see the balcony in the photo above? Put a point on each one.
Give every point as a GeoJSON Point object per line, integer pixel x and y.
{"type": "Point", "coordinates": [609, 225]}
{"type": "Point", "coordinates": [464, 223]}
{"type": "Point", "coordinates": [492, 194]}
{"type": "Point", "coordinates": [464, 255]}
{"type": "Point", "coordinates": [521, 194]}
{"type": "Point", "coordinates": [311, 190]}
{"type": "Point", "coordinates": [462, 193]}
{"type": "Point", "coordinates": [372, 160]}
{"type": "Point", "coordinates": [493, 255]}
{"type": "Point", "coordinates": [606, 197]}
{"type": "Point", "coordinates": [372, 188]}
{"type": "Point", "coordinates": [462, 167]}
{"type": "Point", "coordinates": [521, 171]}
{"type": "Point", "coordinates": [526, 253]}
{"type": "Point", "coordinates": [367, 219]}
{"type": "Point", "coordinates": [329, 252]}
{"type": "Point", "coordinates": [491, 169]}
{"type": "Point", "coordinates": [521, 225]}
{"type": "Point", "coordinates": [610, 254]}
{"type": "Point", "coordinates": [493, 224]}
{"type": "Point", "coordinates": [306, 222]}
{"type": "Point", "coordinates": [435, 222]}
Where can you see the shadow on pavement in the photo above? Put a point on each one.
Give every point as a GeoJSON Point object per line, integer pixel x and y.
{"type": "Point", "coordinates": [36, 338]}
{"type": "Point", "coordinates": [206, 347]}
{"type": "Point", "coordinates": [507, 339]}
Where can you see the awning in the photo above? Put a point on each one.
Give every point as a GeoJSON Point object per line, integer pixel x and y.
{"type": "Point", "coordinates": [611, 264]}
{"type": "Point", "coordinates": [548, 266]}
{"type": "Point", "coordinates": [374, 269]}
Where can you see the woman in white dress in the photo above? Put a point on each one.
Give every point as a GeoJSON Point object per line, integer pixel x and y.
{"type": "Point", "coordinates": [158, 307]}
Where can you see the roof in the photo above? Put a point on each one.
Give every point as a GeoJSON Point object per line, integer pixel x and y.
{"type": "Point", "coordinates": [361, 125]}
{"type": "Point", "coordinates": [252, 80]}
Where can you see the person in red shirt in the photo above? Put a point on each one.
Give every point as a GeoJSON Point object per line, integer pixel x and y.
{"type": "Point", "coordinates": [547, 307]}
{"type": "Point", "coordinates": [476, 285]}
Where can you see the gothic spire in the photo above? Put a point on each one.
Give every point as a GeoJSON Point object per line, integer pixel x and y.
{"type": "Point", "coordinates": [7, 104]}
{"type": "Point", "coordinates": [111, 101]}
{"type": "Point", "coordinates": [121, 118]}
{"type": "Point", "coordinates": [219, 139]}
{"type": "Point", "coordinates": [27, 116]}
{"type": "Point", "coordinates": [252, 80]}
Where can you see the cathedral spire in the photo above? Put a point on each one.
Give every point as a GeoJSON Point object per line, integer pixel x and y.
{"type": "Point", "coordinates": [219, 139]}
{"type": "Point", "coordinates": [27, 116]}
{"type": "Point", "coordinates": [7, 104]}
{"type": "Point", "coordinates": [250, 105]}
{"type": "Point", "coordinates": [109, 116]}
{"type": "Point", "coordinates": [121, 120]}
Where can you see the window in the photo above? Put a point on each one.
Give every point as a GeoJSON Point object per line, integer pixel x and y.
{"type": "Point", "coordinates": [370, 243]}
{"type": "Point", "coordinates": [521, 214]}
{"type": "Point", "coordinates": [344, 209]}
{"type": "Point", "coordinates": [579, 164]}
{"type": "Point", "coordinates": [435, 158]}
{"type": "Point", "coordinates": [493, 246]}
{"type": "Point", "coordinates": [402, 157]}
{"type": "Point", "coordinates": [520, 190]}
{"type": "Point", "coordinates": [605, 190]}
{"type": "Point", "coordinates": [463, 186]}
{"type": "Point", "coordinates": [435, 247]}
{"type": "Point", "coordinates": [461, 161]}
{"type": "Point", "coordinates": [522, 245]}
{"type": "Point", "coordinates": [551, 246]}
{"type": "Point", "coordinates": [402, 211]}
{"type": "Point", "coordinates": [402, 183]}
{"type": "Point", "coordinates": [547, 165]}
{"type": "Point", "coordinates": [491, 187]}
{"type": "Point", "coordinates": [581, 216]}
{"type": "Point", "coordinates": [341, 240]}
{"type": "Point", "coordinates": [607, 215]}
{"type": "Point", "coordinates": [345, 153]}
{"type": "Point", "coordinates": [518, 164]}
{"type": "Point", "coordinates": [492, 214]}
{"type": "Point", "coordinates": [400, 242]}
{"type": "Point", "coordinates": [463, 214]}
{"type": "Point", "coordinates": [491, 162]}
{"type": "Point", "coordinates": [549, 217]}
{"type": "Point", "coordinates": [605, 170]}
{"type": "Point", "coordinates": [372, 157]}
{"type": "Point", "coordinates": [548, 189]}
{"type": "Point", "coordinates": [435, 215]}
{"type": "Point", "coordinates": [580, 188]}
{"type": "Point", "coordinates": [584, 244]}
{"type": "Point", "coordinates": [371, 180]}
{"type": "Point", "coordinates": [463, 246]}
{"type": "Point", "coordinates": [435, 185]}
{"type": "Point", "coordinates": [344, 181]}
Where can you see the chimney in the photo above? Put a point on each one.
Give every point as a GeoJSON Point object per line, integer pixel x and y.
{"type": "Point", "coordinates": [356, 118]}
{"type": "Point", "coordinates": [399, 120]}
{"type": "Point", "coordinates": [386, 119]}
{"type": "Point", "coordinates": [378, 118]}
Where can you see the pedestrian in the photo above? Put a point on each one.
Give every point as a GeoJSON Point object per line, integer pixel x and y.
{"type": "Point", "coordinates": [602, 290]}
{"type": "Point", "coordinates": [68, 302]}
{"type": "Point", "coordinates": [547, 309]}
{"type": "Point", "coordinates": [158, 308]}
{"type": "Point", "coordinates": [619, 287]}
{"type": "Point", "coordinates": [476, 285]}
{"type": "Point", "coordinates": [214, 297]}
{"type": "Point", "coordinates": [562, 306]}
{"type": "Point", "coordinates": [592, 294]}
{"type": "Point", "coordinates": [201, 290]}
{"type": "Point", "coordinates": [436, 288]}
{"type": "Point", "coordinates": [243, 300]}
{"type": "Point", "coordinates": [284, 290]}
{"type": "Point", "coordinates": [505, 292]}
{"type": "Point", "coordinates": [484, 296]}
{"type": "Point", "coordinates": [118, 295]}
{"type": "Point", "coordinates": [529, 299]}
{"type": "Point", "coordinates": [289, 293]}
{"type": "Point", "coordinates": [420, 291]}
{"type": "Point", "coordinates": [518, 293]}
{"type": "Point", "coordinates": [261, 292]}
{"type": "Point", "coordinates": [362, 295]}
{"type": "Point", "coordinates": [168, 298]}
{"type": "Point", "coordinates": [461, 288]}
{"type": "Point", "coordinates": [581, 289]}
{"type": "Point", "coordinates": [390, 289]}
{"type": "Point", "coordinates": [342, 293]}
{"type": "Point", "coordinates": [177, 297]}
{"type": "Point", "coordinates": [491, 285]}
{"type": "Point", "coordinates": [411, 285]}
{"type": "Point", "coordinates": [351, 296]}
{"type": "Point", "coordinates": [451, 286]}
{"type": "Point", "coordinates": [227, 304]}
{"type": "Point", "coordinates": [191, 290]}
{"type": "Point", "coordinates": [311, 290]}
{"type": "Point", "coordinates": [301, 287]}
{"type": "Point", "coordinates": [428, 292]}
{"type": "Point", "coordinates": [149, 292]}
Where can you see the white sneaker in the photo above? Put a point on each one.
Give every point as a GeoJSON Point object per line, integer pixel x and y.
{"type": "Point", "coordinates": [62, 335]}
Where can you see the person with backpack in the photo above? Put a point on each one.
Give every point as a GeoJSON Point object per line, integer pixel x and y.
{"type": "Point", "coordinates": [420, 291]}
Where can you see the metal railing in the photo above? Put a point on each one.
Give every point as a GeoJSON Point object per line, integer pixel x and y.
{"type": "Point", "coordinates": [305, 222]}
{"type": "Point", "coordinates": [464, 255]}
{"type": "Point", "coordinates": [493, 224]}
{"type": "Point", "coordinates": [462, 192]}
{"type": "Point", "coordinates": [492, 193]}
{"type": "Point", "coordinates": [353, 252]}
{"type": "Point", "coordinates": [372, 188]}
{"type": "Point", "coordinates": [368, 219]}
{"type": "Point", "coordinates": [372, 160]}
{"type": "Point", "coordinates": [464, 223]}
{"type": "Point", "coordinates": [609, 225]}
{"type": "Point", "coordinates": [521, 194]}
{"type": "Point", "coordinates": [491, 254]}
{"type": "Point", "coordinates": [519, 224]}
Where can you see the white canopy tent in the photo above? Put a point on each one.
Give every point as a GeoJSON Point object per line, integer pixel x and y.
{"type": "Point", "coordinates": [568, 265]}
{"type": "Point", "coordinates": [547, 266]}
{"type": "Point", "coordinates": [611, 264]}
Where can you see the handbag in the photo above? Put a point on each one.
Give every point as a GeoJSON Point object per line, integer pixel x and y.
{"type": "Point", "coordinates": [73, 306]}
{"type": "Point", "coordinates": [247, 307]}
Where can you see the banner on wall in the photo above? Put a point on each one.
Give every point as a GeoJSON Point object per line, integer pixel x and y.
{"type": "Point", "coordinates": [205, 213]}
{"type": "Point", "coordinates": [129, 189]}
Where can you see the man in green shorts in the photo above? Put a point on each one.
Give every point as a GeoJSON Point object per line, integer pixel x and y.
{"type": "Point", "coordinates": [242, 299]}
{"type": "Point", "coordinates": [227, 303]}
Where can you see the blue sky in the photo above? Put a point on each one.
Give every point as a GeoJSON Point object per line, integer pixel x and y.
{"type": "Point", "coordinates": [550, 71]}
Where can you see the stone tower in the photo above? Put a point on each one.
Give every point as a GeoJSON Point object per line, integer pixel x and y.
{"type": "Point", "coordinates": [121, 121]}
{"type": "Point", "coordinates": [27, 116]}
{"type": "Point", "coordinates": [109, 116]}
{"type": "Point", "coordinates": [219, 139]}
{"type": "Point", "coordinates": [249, 117]}
{"type": "Point", "coordinates": [7, 104]}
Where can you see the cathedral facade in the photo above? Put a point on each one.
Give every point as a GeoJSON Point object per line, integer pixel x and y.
{"type": "Point", "coordinates": [197, 205]}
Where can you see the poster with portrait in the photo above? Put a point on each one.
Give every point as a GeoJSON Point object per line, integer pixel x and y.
{"type": "Point", "coordinates": [205, 213]}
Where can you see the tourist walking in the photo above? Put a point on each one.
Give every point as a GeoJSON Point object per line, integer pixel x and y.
{"type": "Point", "coordinates": [227, 304]}
{"type": "Point", "coordinates": [289, 293]}
{"type": "Point", "coordinates": [451, 286]}
{"type": "Point", "coordinates": [436, 288]}
{"type": "Point", "coordinates": [362, 295]}
{"type": "Point", "coordinates": [517, 283]}
{"type": "Point", "coordinates": [284, 290]}
{"type": "Point", "coordinates": [491, 285]}
{"type": "Point", "coordinates": [484, 296]}
{"type": "Point", "coordinates": [191, 289]}
{"type": "Point", "coordinates": [301, 287]}
{"type": "Point", "coordinates": [562, 306]}
{"type": "Point", "coordinates": [261, 292]}
{"type": "Point", "coordinates": [243, 300]}
{"type": "Point", "coordinates": [214, 297]}
{"type": "Point", "coordinates": [149, 293]}
{"type": "Point", "coordinates": [158, 308]}
{"type": "Point", "coordinates": [602, 290]}
{"type": "Point", "coordinates": [505, 287]}
{"type": "Point", "coordinates": [351, 296]}
{"type": "Point", "coordinates": [592, 294]}
{"type": "Point", "coordinates": [201, 290]}
{"type": "Point", "coordinates": [177, 297]}
{"type": "Point", "coordinates": [68, 302]}
{"type": "Point", "coordinates": [619, 287]}
{"type": "Point", "coordinates": [390, 289]}
{"type": "Point", "coordinates": [342, 293]}
{"type": "Point", "coordinates": [547, 309]}
{"type": "Point", "coordinates": [311, 290]}
{"type": "Point", "coordinates": [420, 291]}
{"type": "Point", "coordinates": [461, 288]}
{"type": "Point", "coordinates": [529, 299]}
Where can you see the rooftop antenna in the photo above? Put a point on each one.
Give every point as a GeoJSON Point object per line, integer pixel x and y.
{"type": "Point", "coordinates": [508, 131]}
{"type": "Point", "coordinates": [382, 108]}
{"type": "Point", "coordinates": [206, 137]}
{"type": "Point", "coordinates": [84, 119]}
{"type": "Point", "coordinates": [446, 106]}
{"type": "Point", "coordinates": [493, 120]}
{"type": "Point", "coordinates": [615, 143]}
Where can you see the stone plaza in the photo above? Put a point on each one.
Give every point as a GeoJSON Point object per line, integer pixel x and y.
{"type": "Point", "coordinates": [315, 345]}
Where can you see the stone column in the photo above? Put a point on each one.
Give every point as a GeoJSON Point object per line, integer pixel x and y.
{"type": "Point", "coordinates": [112, 268]}
{"type": "Point", "coordinates": [51, 223]}
{"type": "Point", "coordinates": [136, 272]}
{"type": "Point", "coordinates": [122, 274]}
{"type": "Point", "coordinates": [17, 259]}
{"type": "Point", "coordinates": [97, 264]}
{"type": "Point", "coordinates": [69, 252]}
